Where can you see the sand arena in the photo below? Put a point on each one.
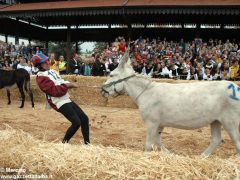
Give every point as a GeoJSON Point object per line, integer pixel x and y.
{"type": "Point", "coordinates": [30, 139]}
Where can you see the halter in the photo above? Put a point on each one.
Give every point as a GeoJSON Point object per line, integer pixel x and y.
{"type": "Point", "coordinates": [114, 83]}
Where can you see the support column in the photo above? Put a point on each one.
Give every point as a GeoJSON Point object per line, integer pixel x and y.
{"type": "Point", "coordinates": [76, 42]}
{"type": "Point", "coordinates": [46, 47]}
{"type": "Point", "coordinates": [222, 26]}
{"type": "Point", "coordinates": [198, 26]}
{"type": "Point", "coordinates": [68, 47]}
{"type": "Point", "coordinates": [29, 41]}
{"type": "Point", "coordinates": [46, 42]}
{"type": "Point", "coordinates": [6, 38]}
{"type": "Point", "coordinates": [182, 24]}
{"type": "Point", "coordinates": [17, 32]}
{"type": "Point", "coordinates": [77, 49]}
{"type": "Point", "coordinates": [129, 31]}
{"type": "Point", "coordinates": [198, 30]}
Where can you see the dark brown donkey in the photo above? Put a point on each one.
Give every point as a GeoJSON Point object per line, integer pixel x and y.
{"type": "Point", "coordinates": [19, 77]}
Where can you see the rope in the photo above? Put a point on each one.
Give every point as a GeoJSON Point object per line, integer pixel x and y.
{"type": "Point", "coordinates": [99, 87]}
{"type": "Point", "coordinates": [95, 109]}
{"type": "Point", "coordinates": [101, 111]}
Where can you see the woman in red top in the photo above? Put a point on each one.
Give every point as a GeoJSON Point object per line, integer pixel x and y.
{"type": "Point", "coordinates": [122, 46]}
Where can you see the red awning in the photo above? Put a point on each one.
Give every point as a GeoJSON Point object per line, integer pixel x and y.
{"type": "Point", "coordinates": [115, 3]}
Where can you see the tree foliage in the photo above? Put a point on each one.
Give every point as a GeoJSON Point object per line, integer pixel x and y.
{"type": "Point", "coordinates": [60, 48]}
{"type": "Point", "coordinates": [100, 46]}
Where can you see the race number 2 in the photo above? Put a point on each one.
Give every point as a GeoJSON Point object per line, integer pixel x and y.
{"type": "Point", "coordinates": [234, 90]}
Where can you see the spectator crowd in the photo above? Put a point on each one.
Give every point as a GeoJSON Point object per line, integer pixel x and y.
{"type": "Point", "coordinates": [157, 58]}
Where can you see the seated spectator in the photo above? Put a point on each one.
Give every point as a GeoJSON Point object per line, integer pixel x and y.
{"type": "Point", "coordinates": [147, 69]}
{"type": "Point", "coordinates": [6, 65]}
{"type": "Point", "coordinates": [174, 69]}
{"type": "Point", "coordinates": [22, 62]}
{"type": "Point", "coordinates": [15, 63]}
{"type": "Point", "coordinates": [166, 72]}
{"type": "Point", "coordinates": [224, 71]}
{"type": "Point", "coordinates": [185, 68]}
{"type": "Point", "coordinates": [86, 69]}
{"type": "Point", "coordinates": [74, 64]}
{"type": "Point", "coordinates": [193, 75]}
{"type": "Point", "coordinates": [234, 71]}
{"type": "Point", "coordinates": [157, 71]}
{"type": "Point", "coordinates": [137, 67]}
{"type": "Point", "coordinates": [209, 65]}
{"type": "Point", "coordinates": [207, 75]}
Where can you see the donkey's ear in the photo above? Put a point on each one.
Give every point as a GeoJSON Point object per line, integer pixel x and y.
{"type": "Point", "coordinates": [124, 58]}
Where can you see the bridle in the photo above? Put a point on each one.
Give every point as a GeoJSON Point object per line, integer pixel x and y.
{"type": "Point", "coordinates": [114, 84]}
{"type": "Point", "coordinates": [121, 80]}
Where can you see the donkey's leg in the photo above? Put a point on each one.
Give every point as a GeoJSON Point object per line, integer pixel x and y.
{"type": "Point", "coordinates": [31, 96]}
{"type": "Point", "coordinates": [9, 96]}
{"type": "Point", "coordinates": [152, 130]}
{"type": "Point", "coordinates": [158, 140]}
{"type": "Point", "coordinates": [29, 91]}
{"type": "Point", "coordinates": [232, 127]}
{"type": "Point", "coordinates": [20, 87]}
{"type": "Point", "coordinates": [215, 138]}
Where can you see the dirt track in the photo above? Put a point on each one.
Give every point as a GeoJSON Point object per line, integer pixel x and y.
{"type": "Point", "coordinates": [124, 128]}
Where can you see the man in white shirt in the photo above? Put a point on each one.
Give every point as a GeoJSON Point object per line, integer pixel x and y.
{"type": "Point", "coordinates": [23, 64]}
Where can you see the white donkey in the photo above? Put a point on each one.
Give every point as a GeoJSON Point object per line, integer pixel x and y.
{"type": "Point", "coordinates": [184, 106]}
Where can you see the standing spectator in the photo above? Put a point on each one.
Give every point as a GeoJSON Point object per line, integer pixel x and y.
{"type": "Point", "coordinates": [122, 46]}
{"type": "Point", "coordinates": [54, 64]}
{"type": "Point", "coordinates": [113, 65]}
{"type": "Point", "coordinates": [62, 65]}
{"type": "Point", "coordinates": [74, 64]}
{"type": "Point", "coordinates": [99, 67]}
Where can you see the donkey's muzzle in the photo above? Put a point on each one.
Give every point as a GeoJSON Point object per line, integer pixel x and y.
{"type": "Point", "coordinates": [104, 92]}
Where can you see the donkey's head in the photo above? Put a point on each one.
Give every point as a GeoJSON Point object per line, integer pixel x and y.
{"type": "Point", "coordinates": [114, 86]}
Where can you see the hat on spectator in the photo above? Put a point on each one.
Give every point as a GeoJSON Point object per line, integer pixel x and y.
{"type": "Point", "coordinates": [222, 56]}
{"type": "Point", "coordinates": [38, 59]}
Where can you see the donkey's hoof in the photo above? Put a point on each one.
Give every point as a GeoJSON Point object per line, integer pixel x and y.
{"type": "Point", "coordinates": [9, 103]}
{"type": "Point", "coordinates": [204, 156]}
{"type": "Point", "coordinates": [21, 107]}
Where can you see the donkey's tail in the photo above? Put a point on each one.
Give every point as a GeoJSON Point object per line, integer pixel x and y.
{"type": "Point", "coordinates": [26, 83]}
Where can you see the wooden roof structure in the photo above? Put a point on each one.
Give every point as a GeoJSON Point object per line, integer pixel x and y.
{"type": "Point", "coordinates": [39, 16]}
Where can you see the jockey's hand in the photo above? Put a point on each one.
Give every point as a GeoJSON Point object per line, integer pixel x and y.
{"type": "Point", "coordinates": [72, 85]}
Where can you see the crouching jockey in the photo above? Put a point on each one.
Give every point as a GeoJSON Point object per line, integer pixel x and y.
{"type": "Point", "coordinates": [58, 98]}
